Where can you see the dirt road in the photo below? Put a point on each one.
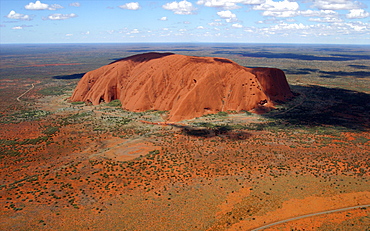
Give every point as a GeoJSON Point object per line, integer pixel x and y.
{"type": "Point", "coordinates": [310, 215]}
{"type": "Point", "coordinates": [19, 97]}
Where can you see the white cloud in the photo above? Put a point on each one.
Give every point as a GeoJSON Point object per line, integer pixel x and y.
{"type": "Point", "coordinates": [184, 7]}
{"type": "Point", "coordinates": [283, 9]}
{"type": "Point", "coordinates": [55, 7]}
{"type": "Point", "coordinates": [288, 9]}
{"type": "Point", "coordinates": [228, 4]}
{"type": "Point", "coordinates": [69, 35]}
{"type": "Point", "coordinates": [75, 4]}
{"type": "Point", "coordinates": [283, 29]}
{"type": "Point", "coordinates": [318, 13]}
{"type": "Point", "coordinates": [163, 19]}
{"type": "Point", "coordinates": [359, 26]}
{"type": "Point", "coordinates": [237, 25]}
{"type": "Point", "coordinates": [253, 2]}
{"type": "Point", "coordinates": [200, 27]}
{"type": "Point", "coordinates": [280, 14]}
{"type": "Point", "coordinates": [357, 13]}
{"type": "Point", "coordinates": [326, 19]}
{"type": "Point", "coordinates": [21, 27]}
{"type": "Point", "coordinates": [13, 15]}
{"type": "Point", "coordinates": [287, 26]}
{"type": "Point", "coordinates": [61, 16]}
{"type": "Point", "coordinates": [130, 6]}
{"type": "Point", "coordinates": [36, 6]}
{"type": "Point", "coordinates": [225, 4]}
{"type": "Point", "coordinates": [216, 23]}
{"type": "Point", "coordinates": [250, 30]}
{"type": "Point", "coordinates": [270, 5]}
{"type": "Point", "coordinates": [42, 6]}
{"type": "Point", "coordinates": [322, 15]}
{"type": "Point", "coordinates": [336, 4]}
{"type": "Point", "coordinates": [134, 31]}
{"type": "Point", "coordinates": [227, 15]}
{"type": "Point", "coordinates": [313, 30]}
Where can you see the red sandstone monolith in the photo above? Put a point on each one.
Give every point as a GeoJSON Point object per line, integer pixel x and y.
{"type": "Point", "coordinates": [186, 86]}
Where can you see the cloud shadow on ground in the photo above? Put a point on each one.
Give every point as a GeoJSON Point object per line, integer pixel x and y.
{"type": "Point", "coordinates": [328, 74]}
{"type": "Point", "coordinates": [362, 67]}
{"type": "Point", "coordinates": [270, 55]}
{"type": "Point", "coordinates": [72, 76]}
{"type": "Point", "coordinates": [160, 50]}
{"type": "Point", "coordinates": [335, 74]}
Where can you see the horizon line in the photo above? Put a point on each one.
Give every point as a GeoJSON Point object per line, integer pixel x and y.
{"type": "Point", "coordinates": [255, 43]}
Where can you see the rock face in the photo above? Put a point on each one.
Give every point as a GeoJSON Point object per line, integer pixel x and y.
{"type": "Point", "coordinates": [186, 86]}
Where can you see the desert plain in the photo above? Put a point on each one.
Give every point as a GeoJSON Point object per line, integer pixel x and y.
{"type": "Point", "coordinates": [75, 166]}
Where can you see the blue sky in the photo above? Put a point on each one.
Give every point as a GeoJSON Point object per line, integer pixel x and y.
{"type": "Point", "coordinates": [242, 21]}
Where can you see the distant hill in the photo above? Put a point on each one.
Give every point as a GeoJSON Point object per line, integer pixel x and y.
{"type": "Point", "coordinates": [186, 86]}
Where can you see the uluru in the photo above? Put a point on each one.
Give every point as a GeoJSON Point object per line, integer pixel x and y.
{"type": "Point", "coordinates": [185, 86]}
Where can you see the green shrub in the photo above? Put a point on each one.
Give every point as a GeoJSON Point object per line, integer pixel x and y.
{"type": "Point", "coordinates": [154, 152]}
{"type": "Point", "coordinates": [222, 113]}
{"type": "Point", "coordinates": [360, 140]}
{"type": "Point", "coordinates": [52, 91]}
{"type": "Point", "coordinates": [114, 103]}
{"type": "Point", "coordinates": [77, 103]}
{"type": "Point", "coordinates": [51, 130]}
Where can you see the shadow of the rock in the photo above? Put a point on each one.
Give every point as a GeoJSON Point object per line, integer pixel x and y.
{"type": "Point", "coordinates": [327, 106]}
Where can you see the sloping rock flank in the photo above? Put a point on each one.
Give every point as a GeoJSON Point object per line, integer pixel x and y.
{"type": "Point", "coordinates": [186, 86]}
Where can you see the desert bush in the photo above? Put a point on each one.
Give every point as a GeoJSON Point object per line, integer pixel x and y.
{"type": "Point", "coordinates": [52, 91]}
{"type": "Point", "coordinates": [360, 140]}
{"type": "Point", "coordinates": [37, 140]}
{"type": "Point", "coordinates": [222, 113]}
{"type": "Point", "coordinates": [77, 103]}
{"type": "Point", "coordinates": [24, 115]}
{"type": "Point", "coordinates": [115, 103]}
{"type": "Point", "coordinates": [50, 130]}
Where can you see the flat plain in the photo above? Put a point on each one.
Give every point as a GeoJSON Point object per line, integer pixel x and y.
{"type": "Point", "coordinates": [73, 166]}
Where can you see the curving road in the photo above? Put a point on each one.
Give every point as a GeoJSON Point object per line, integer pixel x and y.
{"type": "Point", "coordinates": [310, 215]}
{"type": "Point", "coordinates": [19, 97]}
